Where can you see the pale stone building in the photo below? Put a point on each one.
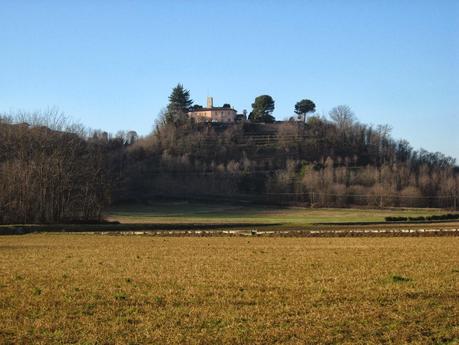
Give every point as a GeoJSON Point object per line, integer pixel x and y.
{"type": "Point", "coordinates": [213, 114]}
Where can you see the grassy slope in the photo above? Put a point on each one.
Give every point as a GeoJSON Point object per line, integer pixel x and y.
{"type": "Point", "coordinates": [82, 289]}
{"type": "Point", "coordinates": [294, 216]}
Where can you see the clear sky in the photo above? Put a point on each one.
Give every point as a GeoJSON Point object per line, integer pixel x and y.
{"type": "Point", "coordinates": [112, 64]}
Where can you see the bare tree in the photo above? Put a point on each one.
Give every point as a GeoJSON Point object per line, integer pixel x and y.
{"type": "Point", "coordinates": [343, 116]}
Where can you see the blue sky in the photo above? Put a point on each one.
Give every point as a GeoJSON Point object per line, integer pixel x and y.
{"type": "Point", "coordinates": [112, 64]}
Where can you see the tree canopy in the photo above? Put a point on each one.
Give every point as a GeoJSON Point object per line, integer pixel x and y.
{"type": "Point", "coordinates": [303, 107]}
{"type": "Point", "coordinates": [262, 109]}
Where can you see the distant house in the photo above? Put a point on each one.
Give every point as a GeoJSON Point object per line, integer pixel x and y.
{"type": "Point", "coordinates": [213, 114]}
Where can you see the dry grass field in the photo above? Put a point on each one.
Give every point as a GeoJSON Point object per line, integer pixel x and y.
{"type": "Point", "coordinates": [91, 289]}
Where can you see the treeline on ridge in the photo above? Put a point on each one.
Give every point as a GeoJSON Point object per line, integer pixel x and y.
{"type": "Point", "coordinates": [309, 160]}
{"type": "Point", "coordinates": [52, 171]}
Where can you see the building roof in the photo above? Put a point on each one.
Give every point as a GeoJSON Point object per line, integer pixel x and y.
{"type": "Point", "coordinates": [207, 109]}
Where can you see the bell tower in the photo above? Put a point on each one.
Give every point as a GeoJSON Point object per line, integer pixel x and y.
{"type": "Point", "coordinates": [210, 102]}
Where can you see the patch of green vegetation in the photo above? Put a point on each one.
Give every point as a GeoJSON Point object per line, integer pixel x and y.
{"type": "Point", "coordinates": [184, 212]}
{"type": "Point", "coordinates": [399, 279]}
{"type": "Point", "coordinates": [121, 295]}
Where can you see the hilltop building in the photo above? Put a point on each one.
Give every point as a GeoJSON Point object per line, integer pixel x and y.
{"type": "Point", "coordinates": [213, 114]}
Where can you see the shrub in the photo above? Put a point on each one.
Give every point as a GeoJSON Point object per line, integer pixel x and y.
{"type": "Point", "coordinates": [417, 219]}
{"type": "Point", "coordinates": [396, 219]}
{"type": "Point", "coordinates": [449, 216]}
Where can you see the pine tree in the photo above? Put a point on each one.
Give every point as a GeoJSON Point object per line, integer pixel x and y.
{"type": "Point", "coordinates": [179, 105]}
{"type": "Point", "coordinates": [262, 109]}
{"type": "Point", "coordinates": [303, 107]}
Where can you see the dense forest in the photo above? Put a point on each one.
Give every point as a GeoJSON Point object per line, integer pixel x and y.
{"type": "Point", "coordinates": [54, 171]}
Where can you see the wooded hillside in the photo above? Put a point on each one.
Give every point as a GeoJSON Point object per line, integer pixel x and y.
{"type": "Point", "coordinates": [54, 171]}
{"type": "Point", "coordinates": [49, 176]}
{"type": "Point", "coordinates": [319, 163]}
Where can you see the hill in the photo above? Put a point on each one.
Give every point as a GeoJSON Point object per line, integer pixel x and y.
{"type": "Point", "coordinates": [319, 163]}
